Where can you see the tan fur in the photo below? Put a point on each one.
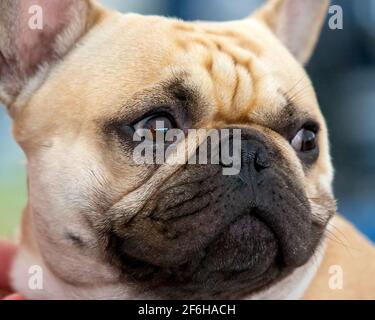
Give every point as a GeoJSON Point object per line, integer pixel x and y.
{"type": "Point", "coordinates": [244, 76]}
{"type": "Point", "coordinates": [349, 250]}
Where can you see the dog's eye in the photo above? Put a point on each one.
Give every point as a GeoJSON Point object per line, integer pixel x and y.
{"type": "Point", "coordinates": [156, 123]}
{"type": "Point", "coordinates": [305, 140]}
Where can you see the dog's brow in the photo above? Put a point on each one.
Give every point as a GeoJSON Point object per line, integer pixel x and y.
{"type": "Point", "coordinates": [188, 96]}
{"type": "Point", "coordinates": [289, 118]}
{"type": "Point", "coordinates": [170, 95]}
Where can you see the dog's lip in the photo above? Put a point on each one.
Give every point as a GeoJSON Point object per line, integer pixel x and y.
{"type": "Point", "coordinates": [272, 237]}
{"type": "Point", "coordinates": [284, 258]}
{"type": "Point", "coordinates": [239, 280]}
{"type": "Point", "coordinates": [148, 268]}
{"type": "Point", "coordinates": [196, 270]}
{"type": "Point", "coordinates": [291, 259]}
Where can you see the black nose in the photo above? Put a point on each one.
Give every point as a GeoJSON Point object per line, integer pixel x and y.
{"type": "Point", "coordinates": [255, 160]}
{"type": "Point", "coordinates": [255, 155]}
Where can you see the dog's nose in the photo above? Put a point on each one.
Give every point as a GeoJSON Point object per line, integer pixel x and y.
{"type": "Point", "coordinates": [255, 160]}
{"type": "Point", "coordinates": [255, 155]}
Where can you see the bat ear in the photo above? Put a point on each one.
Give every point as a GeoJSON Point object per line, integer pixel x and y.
{"type": "Point", "coordinates": [297, 23]}
{"type": "Point", "coordinates": [34, 34]}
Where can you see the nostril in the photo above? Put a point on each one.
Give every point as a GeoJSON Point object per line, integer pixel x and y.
{"type": "Point", "coordinates": [261, 162]}
{"type": "Point", "coordinates": [255, 155]}
{"type": "Point", "coordinates": [248, 156]}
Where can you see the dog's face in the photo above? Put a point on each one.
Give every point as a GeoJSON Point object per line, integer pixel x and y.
{"type": "Point", "coordinates": [95, 218]}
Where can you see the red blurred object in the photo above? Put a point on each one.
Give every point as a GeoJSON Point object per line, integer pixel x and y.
{"type": "Point", "coordinates": [14, 297]}
{"type": "Point", "coordinates": [7, 253]}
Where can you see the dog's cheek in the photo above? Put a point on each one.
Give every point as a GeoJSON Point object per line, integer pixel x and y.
{"type": "Point", "coordinates": [320, 195]}
{"type": "Point", "coordinates": [64, 181]}
{"type": "Point", "coordinates": [316, 179]}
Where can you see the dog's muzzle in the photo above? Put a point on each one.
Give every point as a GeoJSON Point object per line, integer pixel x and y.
{"type": "Point", "coordinates": [209, 233]}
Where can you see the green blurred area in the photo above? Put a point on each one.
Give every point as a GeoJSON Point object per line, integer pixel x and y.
{"type": "Point", "coordinates": [12, 179]}
{"type": "Point", "coordinates": [12, 202]}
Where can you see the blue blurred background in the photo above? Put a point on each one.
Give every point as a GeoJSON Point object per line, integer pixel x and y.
{"type": "Point", "coordinates": [342, 69]}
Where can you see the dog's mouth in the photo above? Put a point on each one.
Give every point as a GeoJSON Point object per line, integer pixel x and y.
{"type": "Point", "coordinates": [245, 256]}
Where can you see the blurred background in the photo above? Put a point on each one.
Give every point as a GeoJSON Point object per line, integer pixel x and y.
{"type": "Point", "coordinates": [343, 71]}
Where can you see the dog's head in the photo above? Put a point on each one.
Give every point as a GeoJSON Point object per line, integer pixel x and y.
{"type": "Point", "coordinates": [81, 86]}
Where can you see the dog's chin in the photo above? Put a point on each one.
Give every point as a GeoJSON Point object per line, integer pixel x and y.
{"type": "Point", "coordinates": [244, 258]}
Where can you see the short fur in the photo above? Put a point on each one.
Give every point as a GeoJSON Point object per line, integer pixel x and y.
{"type": "Point", "coordinates": [103, 227]}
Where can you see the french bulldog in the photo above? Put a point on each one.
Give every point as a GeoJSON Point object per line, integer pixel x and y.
{"type": "Point", "coordinates": [100, 226]}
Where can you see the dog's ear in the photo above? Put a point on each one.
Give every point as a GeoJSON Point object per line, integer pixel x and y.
{"type": "Point", "coordinates": [34, 34]}
{"type": "Point", "coordinates": [297, 23]}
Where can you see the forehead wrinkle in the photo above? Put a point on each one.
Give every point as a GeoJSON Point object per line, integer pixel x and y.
{"type": "Point", "coordinates": [235, 71]}
{"type": "Point", "coordinates": [218, 32]}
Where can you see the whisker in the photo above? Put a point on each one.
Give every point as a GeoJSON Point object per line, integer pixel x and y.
{"type": "Point", "coordinates": [294, 86]}
{"type": "Point", "coordinates": [298, 93]}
